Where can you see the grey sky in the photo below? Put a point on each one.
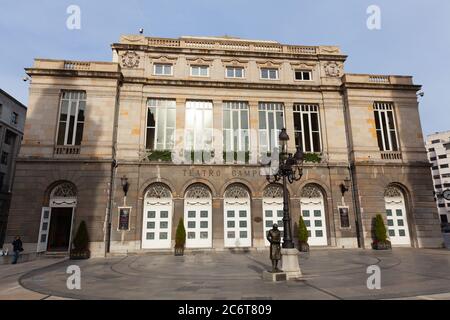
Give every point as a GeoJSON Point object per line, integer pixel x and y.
{"type": "Point", "coordinates": [414, 38]}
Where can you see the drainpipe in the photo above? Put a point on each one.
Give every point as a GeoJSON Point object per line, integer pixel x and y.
{"type": "Point", "coordinates": [355, 193]}
{"type": "Point", "coordinates": [114, 166]}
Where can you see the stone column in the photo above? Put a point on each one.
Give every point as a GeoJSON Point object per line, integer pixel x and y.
{"type": "Point", "coordinates": [178, 213]}
{"type": "Point", "coordinates": [218, 130]}
{"type": "Point", "coordinates": [289, 123]}
{"type": "Point", "coordinates": [180, 126]}
{"type": "Point", "coordinates": [254, 127]}
{"type": "Point", "coordinates": [217, 224]}
{"type": "Point", "coordinates": [257, 223]}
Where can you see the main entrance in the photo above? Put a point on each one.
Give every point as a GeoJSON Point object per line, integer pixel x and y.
{"type": "Point", "coordinates": [157, 219]}
{"type": "Point", "coordinates": [237, 217]}
{"type": "Point", "coordinates": [396, 217]}
{"type": "Point", "coordinates": [313, 213]}
{"type": "Point", "coordinates": [198, 217]}
{"type": "Point", "coordinates": [55, 232]}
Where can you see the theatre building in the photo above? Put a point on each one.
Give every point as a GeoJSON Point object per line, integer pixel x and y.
{"type": "Point", "coordinates": [180, 128]}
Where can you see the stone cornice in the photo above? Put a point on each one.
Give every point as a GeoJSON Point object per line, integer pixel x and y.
{"type": "Point", "coordinates": [380, 86]}
{"type": "Point", "coordinates": [230, 84]}
{"type": "Point", "coordinates": [225, 53]}
{"type": "Point", "coordinates": [73, 73]}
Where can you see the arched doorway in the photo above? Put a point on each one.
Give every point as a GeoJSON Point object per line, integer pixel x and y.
{"type": "Point", "coordinates": [272, 208]}
{"type": "Point", "coordinates": [313, 213]}
{"type": "Point", "coordinates": [237, 217]}
{"type": "Point", "coordinates": [55, 232]}
{"type": "Point", "coordinates": [198, 216]}
{"type": "Point", "coordinates": [396, 217]}
{"type": "Point", "coordinates": [157, 218]}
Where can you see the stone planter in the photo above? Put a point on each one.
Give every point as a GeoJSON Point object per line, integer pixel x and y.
{"type": "Point", "coordinates": [179, 251]}
{"type": "Point", "coordinates": [80, 255]}
{"type": "Point", "coordinates": [381, 245]}
{"type": "Point", "coordinates": [303, 247]}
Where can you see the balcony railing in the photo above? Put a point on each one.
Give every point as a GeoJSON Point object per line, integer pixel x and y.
{"type": "Point", "coordinates": [391, 155]}
{"type": "Point", "coordinates": [67, 150]}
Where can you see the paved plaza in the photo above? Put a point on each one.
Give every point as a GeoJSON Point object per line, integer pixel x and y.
{"type": "Point", "coordinates": [328, 274]}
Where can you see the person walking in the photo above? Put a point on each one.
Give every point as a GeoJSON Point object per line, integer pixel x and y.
{"type": "Point", "coordinates": [17, 248]}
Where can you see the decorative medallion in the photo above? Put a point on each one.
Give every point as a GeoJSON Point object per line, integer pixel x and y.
{"type": "Point", "coordinates": [273, 191]}
{"type": "Point", "coordinates": [198, 191]}
{"type": "Point", "coordinates": [333, 69]}
{"type": "Point", "coordinates": [311, 191]}
{"type": "Point", "coordinates": [131, 60]}
{"type": "Point", "coordinates": [392, 192]}
{"type": "Point", "coordinates": [158, 191]}
{"type": "Point", "coordinates": [64, 190]}
{"type": "Point", "coordinates": [236, 192]}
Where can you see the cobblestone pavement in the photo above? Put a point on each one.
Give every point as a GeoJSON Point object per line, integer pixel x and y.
{"type": "Point", "coordinates": [328, 274]}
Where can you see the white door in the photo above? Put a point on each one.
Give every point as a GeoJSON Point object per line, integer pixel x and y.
{"type": "Point", "coordinates": [313, 213]}
{"type": "Point", "coordinates": [198, 225]}
{"type": "Point", "coordinates": [397, 222]}
{"type": "Point", "coordinates": [237, 225]}
{"type": "Point", "coordinates": [157, 224]}
{"type": "Point", "coordinates": [43, 230]}
{"type": "Point", "coordinates": [273, 214]}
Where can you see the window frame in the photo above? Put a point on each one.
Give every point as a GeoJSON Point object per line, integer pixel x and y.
{"type": "Point", "coordinates": [67, 121]}
{"type": "Point", "coordinates": [308, 109]}
{"type": "Point", "coordinates": [303, 71]}
{"type": "Point", "coordinates": [157, 108]}
{"type": "Point", "coordinates": [205, 106]}
{"type": "Point", "coordinates": [273, 112]}
{"type": "Point", "coordinates": [382, 109]}
{"type": "Point", "coordinates": [192, 66]}
{"type": "Point", "coordinates": [234, 72]}
{"type": "Point", "coordinates": [164, 65]}
{"type": "Point", "coordinates": [14, 118]}
{"type": "Point", "coordinates": [268, 73]}
{"type": "Point", "coordinates": [236, 107]}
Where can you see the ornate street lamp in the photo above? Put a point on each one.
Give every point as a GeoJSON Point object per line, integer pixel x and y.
{"type": "Point", "coordinates": [290, 170]}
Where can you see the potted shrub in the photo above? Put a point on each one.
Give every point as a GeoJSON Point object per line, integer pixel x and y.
{"type": "Point", "coordinates": [80, 248]}
{"type": "Point", "coordinates": [180, 238]}
{"type": "Point", "coordinates": [380, 235]}
{"type": "Point", "coordinates": [303, 245]}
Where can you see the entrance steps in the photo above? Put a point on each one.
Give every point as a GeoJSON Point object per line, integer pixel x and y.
{"type": "Point", "coordinates": [56, 255]}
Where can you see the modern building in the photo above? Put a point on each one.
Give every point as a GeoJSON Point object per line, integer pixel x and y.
{"type": "Point", "coordinates": [112, 143]}
{"type": "Point", "coordinates": [438, 146]}
{"type": "Point", "coordinates": [12, 122]}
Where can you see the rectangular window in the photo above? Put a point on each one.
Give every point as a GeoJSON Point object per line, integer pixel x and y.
{"type": "Point", "coordinates": [199, 125]}
{"type": "Point", "coordinates": [431, 150]}
{"type": "Point", "coordinates": [271, 121]}
{"type": "Point", "coordinates": [438, 186]}
{"type": "Point", "coordinates": [269, 73]}
{"type": "Point", "coordinates": [433, 159]}
{"type": "Point", "coordinates": [9, 137]}
{"type": "Point", "coordinates": [303, 75]}
{"type": "Point", "coordinates": [4, 159]}
{"type": "Point", "coordinates": [200, 71]}
{"type": "Point", "coordinates": [236, 135]}
{"type": "Point", "coordinates": [161, 69]}
{"type": "Point", "coordinates": [71, 118]}
{"type": "Point", "coordinates": [235, 72]}
{"type": "Point", "coordinates": [444, 166]}
{"type": "Point", "coordinates": [386, 126]}
{"type": "Point", "coordinates": [435, 141]}
{"type": "Point", "coordinates": [307, 127]}
{"type": "Point", "coordinates": [161, 117]}
{"type": "Point", "coordinates": [14, 118]}
{"type": "Point", "coordinates": [444, 156]}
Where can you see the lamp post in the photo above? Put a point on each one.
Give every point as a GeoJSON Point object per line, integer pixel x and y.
{"type": "Point", "coordinates": [125, 185]}
{"type": "Point", "coordinates": [290, 170]}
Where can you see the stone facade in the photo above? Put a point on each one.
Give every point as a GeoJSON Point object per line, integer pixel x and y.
{"type": "Point", "coordinates": [114, 142]}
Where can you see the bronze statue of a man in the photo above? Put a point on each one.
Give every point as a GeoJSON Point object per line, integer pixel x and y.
{"type": "Point", "coordinates": [274, 237]}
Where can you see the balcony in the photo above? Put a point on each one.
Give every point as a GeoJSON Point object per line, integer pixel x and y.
{"type": "Point", "coordinates": [67, 150]}
{"type": "Point", "coordinates": [391, 155]}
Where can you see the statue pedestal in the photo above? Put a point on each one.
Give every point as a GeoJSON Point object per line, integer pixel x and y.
{"type": "Point", "coordinates": [274, 277]}
{"type": "Point", "coordinates": [289, 263]}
